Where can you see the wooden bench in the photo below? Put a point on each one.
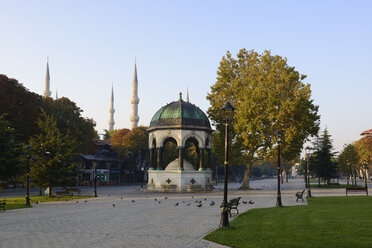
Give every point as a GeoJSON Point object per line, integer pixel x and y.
{"type": "Point", "coordinates": [72, 190]}
{"type": "Point", "coordinates": [300, 195]}
{"type": "Point", "coordinates": [233, 204]}
{"type": "Point", "coordinates": [63, 193]}
{"type": "Point", "coordinates": [2, 204]}
{"type": "Point", "coordinates": [357, 189]}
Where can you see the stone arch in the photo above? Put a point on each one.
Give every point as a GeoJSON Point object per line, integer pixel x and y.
{"type": "Point", "coordinates": [152, 143]}
{"type": "Point", "coordinates": [168, 136]}
{"type": "Point", "coordinates": [195, 136]}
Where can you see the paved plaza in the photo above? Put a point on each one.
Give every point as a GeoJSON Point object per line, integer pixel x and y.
{"type": "Point", "coordinates": [127, 216]}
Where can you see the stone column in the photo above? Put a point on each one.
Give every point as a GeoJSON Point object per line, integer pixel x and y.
{"type": "Point", "coordinates": [209, 164]}
{"type": "Point", "coordinates": [159, 159]}
{"type": "Point", "coordinates": [180, 158]}
{"type": "Point", "coordinates": [201, 159]}
{"type": "Point", "coordinates": [151, 163]}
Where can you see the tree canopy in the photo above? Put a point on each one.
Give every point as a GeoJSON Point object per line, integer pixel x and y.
{"type": "Point", "coordinates": [268, 95]}
{"type": "Point", "coordinates": [52, 154]}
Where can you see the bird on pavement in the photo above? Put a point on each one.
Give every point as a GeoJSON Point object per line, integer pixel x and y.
{"type": "Point", "coordinates": [85, 201]}
{"type": "Point", "coordinates": [77, 201]}
{"type": "Point", "coordinates": [133, 201]}
{"type": "Point", "coordinates": [159, 202]}
{"type": "Point", "coordinates": [156, 199]}
{"type": "Point", "coordinates": [176, 204]}
{"type": "Point", "coordinates": [212, 203]}
{"type": "Point", "coordinates": [205, 199]}
{"type": "Point", "coordinates": [188, 204]}
{"type": "Point", "coordinates": [165, 198]}
{"type": "Point", "coordinates": [244, 202]}
{"type": "Point", "coordinates": [37, 202]}
{"type": "Point", "coordinates": [121, 198]}
{"type": "Point", "coordinates": [251, 202]}
{"type": "Point", "coordinates": [113, 205]}
{"type": "Point", "coordinates": [199, 205]}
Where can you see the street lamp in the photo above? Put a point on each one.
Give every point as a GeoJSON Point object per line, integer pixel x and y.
{"type": "Point", "coordinates": [28, 147]}
{"type": "Point", "coordinates": [228, 116]}
{"type": "Point", "coordinates": [365, 164]}
{"type": "Point", "coordinates": [95, 178]}
{"type": "Point", "coordinates": [308, 172]}
{"type": "Point", "coordinates": [279, 134]}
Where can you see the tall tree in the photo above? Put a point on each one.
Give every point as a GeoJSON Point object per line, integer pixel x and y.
{"type": "Point", "coordinates": [10, 151]}
{"type": "Point", "coordinates": [322, 160]}
{"type": "Point", "coordinates": [70, 121]}
{"type": "Point", "coordinates": [268, 95]}
{"type": "Point", "coordinates": [20, 106]}
{"type": "Point", "coordinates": [349, 161]}
{"type": "Point", "coordinates": [53, 155]}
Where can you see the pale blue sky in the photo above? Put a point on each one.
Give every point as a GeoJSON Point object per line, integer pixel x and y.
{"type": "Point", "coordinates": [179, 44]}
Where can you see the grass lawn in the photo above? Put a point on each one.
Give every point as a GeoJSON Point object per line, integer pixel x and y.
{"type": "Point", "coordinates": [324, 222]}
{"type": "Point", "coordinates": [19, 202]}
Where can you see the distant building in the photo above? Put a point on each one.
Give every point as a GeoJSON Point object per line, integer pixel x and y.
{"type": "Point", "coordinates": [107, 165]}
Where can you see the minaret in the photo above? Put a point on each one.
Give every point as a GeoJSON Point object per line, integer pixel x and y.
{"type": "Point", "coordinates": [112, 110]}
{"type": "Point", "coordinates": [47, 92]}
{"type": "Point", "coordinates": [187, 96]}
{"type": "Point", "coordinates": [134, 100]}
{"type": "Point", "coordinates": [57, 93]}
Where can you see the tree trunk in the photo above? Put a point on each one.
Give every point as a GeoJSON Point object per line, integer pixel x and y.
{"type": "Point", "coordinates": [286, 177]}
{"type": "Point", "coordinates": [247, 173]}
{"type": "Point", "coordinates": [347, 180]}
{"type": "Point", "coordinates": [319, 181]}
{"type": "Point", "coordinates": [49, 191]}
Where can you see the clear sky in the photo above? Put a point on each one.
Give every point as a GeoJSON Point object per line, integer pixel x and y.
{"type": "Point", "coordinates": [179, 44]}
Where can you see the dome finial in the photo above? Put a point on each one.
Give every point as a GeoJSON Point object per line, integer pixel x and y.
{"type": "Point", "coordinates": [180, 96]}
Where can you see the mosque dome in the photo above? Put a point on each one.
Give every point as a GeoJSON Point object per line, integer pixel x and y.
{"type": "Point", "coordinates": [180, 114]}
{"type": "Point", "coordinates": [173, 166]}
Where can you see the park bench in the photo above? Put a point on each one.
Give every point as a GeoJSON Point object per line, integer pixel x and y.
{"type": "Point", "coordinates": [2, 204]}
{"type": "Point", "coordinates": [233, 204]}
{"type": "Point", "coordinates": [300, 195]}
{"type": "Point", "coordinates": [357, 189]}
{"type": "Point", "coordinates": [63, 193]}
{"type": "Point", "coordinates": [73, 190]}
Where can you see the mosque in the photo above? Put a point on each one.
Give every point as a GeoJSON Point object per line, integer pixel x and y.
{"type": "Point", "coordinates": [179, 122]}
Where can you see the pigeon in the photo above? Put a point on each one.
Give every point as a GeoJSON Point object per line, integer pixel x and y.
{"type": "Point", "coordinates": [77, 201]}
{"type": "Point", "coordinates": [188, 204]}
{"type": "Point", "coordinates": [176, 204]}
{"type": "Point", "coordinates": [251, 202]}
{"type": "Point", "coordinates": [183, 201]}
{"type": "Point", "coordinates": [121, 198]}
{"type": "Point", "coordinates": [196, 201]}
{"type": "Point", "coordinates": [133, 201]}
{"type": "Point", "coordinates": [85, 201]}
{"type": "Point", "coordinates": [37, 202]}
{"type": "Point", "coordinates": [244, 202]}
{"type": "Point", "coordinates": [199, 205]}
{"type": "Point", "coordinates": [165, 198]}
{"type": "Point", "coordinates": [156, 199]}
{"type": "Point", "coordinates": [212, 203]}
{"type": "Point", "coordinates": [205, 199]}
{"type": "Point", "coordinates": [113, 205]}
{"type": "Point", "coordinates": [159, 202]}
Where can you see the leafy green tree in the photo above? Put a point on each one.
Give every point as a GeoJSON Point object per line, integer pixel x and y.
{"type": "Point", "coordinates": [109, 133]}
{"type": "Point", "coordinates": [70, 121]}
{"type": "Point", "coordinates": [10, 151]}
{"type": "Point", "coordinates": [349, 162]}
{"type": "Point", "coordinates": [322, 161]}
{"type": "Point", "coordinates": [53, 155]}
{"type": "Point", "coordinates": [20, 106]}
{"type": "Point", "coordinates": [268, 95]}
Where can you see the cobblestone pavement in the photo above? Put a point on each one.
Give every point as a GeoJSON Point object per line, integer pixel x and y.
{"type": "Point", "coordinates": [137, 220]}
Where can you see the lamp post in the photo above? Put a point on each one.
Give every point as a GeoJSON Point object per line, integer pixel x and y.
{"type": "Point", "coordinates": [308, 172]}
{"type": "Point", "coordinates": [279, 135]}
{"type": "Point", "coordinates": [95, 178]}
{"type": "Point", "coordinates": [365, 175]}
{"type": "Point", "coordinates": [228, 116]}
{"type": "Point", "coordinates": [28, 147]}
